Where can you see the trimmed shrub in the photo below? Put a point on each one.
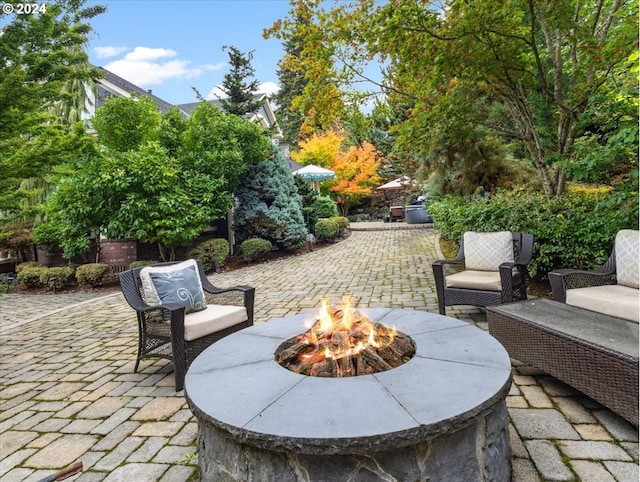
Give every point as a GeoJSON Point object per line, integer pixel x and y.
{"type": "Point", "coordinates": [63, 275]}
{"type": "Point", "coordinates": [29, 276]}
{"type": "Point", "coordinates": [575, 230]}
{"type": "Point", "coordinates": [255, 249]}
{"type": "Point", "coordinates": [92, 274]}
{"type": "Point", "coordinates": [327, 230]}
{"type": "Point", "coordinates": [322, 208]}
{"type": "Point", "coordinates": [141, 263]}
{"type": "Point", "coordinates": [28, 264]}
{"type": "Point", "coordinates": [212, 253]}
{"type": "Point", "coordinates": [343, 222]}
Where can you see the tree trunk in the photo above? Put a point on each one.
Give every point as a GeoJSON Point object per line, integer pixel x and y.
{"type": "Point", "coordinates": [523, 118]}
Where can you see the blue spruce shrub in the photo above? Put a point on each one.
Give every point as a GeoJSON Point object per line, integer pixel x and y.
{"type": "Point", "coordinates": [269, 206]}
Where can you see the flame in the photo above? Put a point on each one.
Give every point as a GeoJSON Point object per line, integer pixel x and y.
{"type": "Point", "coordinates": [342, 332]}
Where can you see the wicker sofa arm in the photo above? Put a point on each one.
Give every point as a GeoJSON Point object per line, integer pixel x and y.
{"type": "Point", "coordinates": [562, 280]}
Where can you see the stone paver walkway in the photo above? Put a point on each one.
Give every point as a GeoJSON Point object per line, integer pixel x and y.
{"type": "Point", "coordinates": [68, 392]}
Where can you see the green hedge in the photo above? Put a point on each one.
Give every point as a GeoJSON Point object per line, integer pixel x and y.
{"type": "Point", "coordinates": [92, 274]}
{"type": "Point", "coordinates": [575, 230]}
{"type": "Point", "coordinates": [35, 276]}
{"type": "Point", "coordinates": [211, 253]}
{"type": "Point", "coordinates": [255, 249]}
{"type": "Point", "coordinates": [327, 230]}
{"type": "Point", "coordinates": [142, 263]}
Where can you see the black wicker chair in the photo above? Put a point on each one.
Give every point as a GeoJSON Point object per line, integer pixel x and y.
{"type": "Point", "coordinates": [161, 329]}
{"type": "Point", "coordinates": [513, 278]}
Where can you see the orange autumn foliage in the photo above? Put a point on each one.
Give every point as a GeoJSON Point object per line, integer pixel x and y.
{"type": "Point", "coordinates": [356, 174]}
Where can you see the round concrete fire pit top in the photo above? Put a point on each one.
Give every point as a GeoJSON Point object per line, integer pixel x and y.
{"type": "Point", "coordinates": [457, 373]}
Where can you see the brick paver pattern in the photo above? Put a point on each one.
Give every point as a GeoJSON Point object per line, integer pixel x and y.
{"type": "Point", "coordinates": [68, 392]}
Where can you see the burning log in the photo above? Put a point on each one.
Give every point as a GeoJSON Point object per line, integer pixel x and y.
{"type": "Point", "coordinates": [342, 343]}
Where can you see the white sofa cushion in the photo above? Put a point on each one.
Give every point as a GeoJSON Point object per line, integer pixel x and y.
{"type": "Point", "coordinates": [214, 318]}
{"type": "Point", "coordinates": [475, 280]}
{"type": "Point", "coordinates": [487, 251]}
{"type": "Point", "coordinates": [152, 276]}
{"type": "Point", "coordinates": [613, 300]}
{"type": "Point", "coordinates": [628, 258]}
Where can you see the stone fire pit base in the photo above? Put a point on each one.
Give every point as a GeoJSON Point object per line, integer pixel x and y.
{"type": "Point", "coordinates": [477, 452]}
{"type": "Point", "coordinates": [441, 416]}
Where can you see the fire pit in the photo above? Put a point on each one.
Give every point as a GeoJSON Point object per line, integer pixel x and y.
{"type": "Point", "coordinates": [439, 415]}
{"type": "Point", "coordinates": [344, 342]}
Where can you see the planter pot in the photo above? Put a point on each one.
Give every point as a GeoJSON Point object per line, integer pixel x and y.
{"type": "Point", "coordinates": [415, 214]}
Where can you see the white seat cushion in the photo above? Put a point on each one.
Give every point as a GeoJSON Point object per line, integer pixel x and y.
{"type": "Point", "coordinates": [475, 280]}
{"type": "Point", "coordinates": [487, 251]}
{"type": "Point", "coordinates": [613, 300]}
{"type": "Point", "coordinates": [214, 318]}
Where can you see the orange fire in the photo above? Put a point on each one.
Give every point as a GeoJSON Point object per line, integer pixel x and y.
{"type": "Point", "coordinates": [339, 333]}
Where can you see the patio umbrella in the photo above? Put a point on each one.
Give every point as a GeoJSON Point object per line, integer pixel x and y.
{"type": "Point", "coordinates": [315, 174]}
{"type": "Point", "coordinates": [397, 184]}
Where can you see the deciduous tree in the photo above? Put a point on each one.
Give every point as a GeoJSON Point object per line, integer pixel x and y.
{"type": "Point", "coordinates": [543, 62]}
{"type": "Point", "coordinates": [356, 175]}
{"type": "Point", "coordinates": [39, 55]}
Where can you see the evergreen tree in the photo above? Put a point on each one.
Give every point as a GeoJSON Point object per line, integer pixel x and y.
{"type": "Point", "coordinates": [240, 91]}
{"type": "Point", "coordinates": [292, 83]}
{"type": "Point", "coordinates": [269, 206]}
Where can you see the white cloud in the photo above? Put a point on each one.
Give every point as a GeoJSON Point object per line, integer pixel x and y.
{"type": "Point", "coordinates": [268, 88]}
{"type": "Point", "coordinates": [141, 54]}
{"type": "Point", "coordinates": [110, 51]}
{"type": "Point", "coordinates": [145, 66]}
{"type": "Point", "coordinates": [216, 93]}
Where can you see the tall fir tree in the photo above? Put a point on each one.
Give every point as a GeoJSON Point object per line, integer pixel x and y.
{"type": "Point", "coordinates": [269, 206]}
{"type": "Point", "coordinates": [240, 90]}
{"type": "Point", "coordinates": [292, 82]}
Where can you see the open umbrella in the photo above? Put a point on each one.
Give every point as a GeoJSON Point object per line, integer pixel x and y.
{"type": "Point", "coordinates": [397, 184]}
{"type": "Point", "coordinates": [315, 174]}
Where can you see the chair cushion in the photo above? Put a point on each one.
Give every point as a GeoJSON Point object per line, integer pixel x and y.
{"type": "Point", "coordinates": [177, 283]}
{"type": "Point", "coordinates": [628, 258]}
{"type": "Point", "coordinates": [475, 280]}
{"type": "Point", "coordinates": [613, 300]}
{"type": "Point", "coordinates": [487, 251]}
{"type": "Point", "coordinates": [213, 319]}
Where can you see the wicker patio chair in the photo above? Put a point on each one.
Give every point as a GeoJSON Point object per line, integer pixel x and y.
{"type": "Point", "coordinates": [611, 289]}
{"type": "Point", "coordinates": [167, 331]}
{"type": "Point", "coordinates": [490, 269]}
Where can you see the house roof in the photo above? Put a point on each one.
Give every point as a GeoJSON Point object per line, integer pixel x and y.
{"type": "Point", "coordinates": [122, 87]}
{"type": "Point", "coordinates": [116, 85]}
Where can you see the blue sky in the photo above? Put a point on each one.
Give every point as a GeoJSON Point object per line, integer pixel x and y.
{"type": "Point", "coordinates": [170, 45]}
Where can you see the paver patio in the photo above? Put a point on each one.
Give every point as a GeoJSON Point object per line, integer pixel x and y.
{"type": "Point", "coordinates": [68, 392]}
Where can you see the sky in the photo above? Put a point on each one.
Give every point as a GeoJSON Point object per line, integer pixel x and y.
{"type": "Point", "coordinates": [169, 46]}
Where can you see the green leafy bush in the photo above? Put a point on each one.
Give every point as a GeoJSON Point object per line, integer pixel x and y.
{"type": "Point", "coordinates": [28, 264]}
{"type": "Point", "coordinates": [322, 208]}
{"type": "Point", "coordinates": [327, 230]}
{"type": "Point", "coordinates": [30, 276]}
{"type": "Point", "coordinates": [255, 249]}
{"type": "Point", "coordinates": [343, 222]}
{"type": "Point", "coordinates": [92, 274]}
{"type": "Point", "coordinates": [211, 253]}
{"type": "Point", "coordinates": [141, 263]}
{"type": "Point", "coordinates": [575, 230]}
{"type": "Point", "coordinates": [63, 276]}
